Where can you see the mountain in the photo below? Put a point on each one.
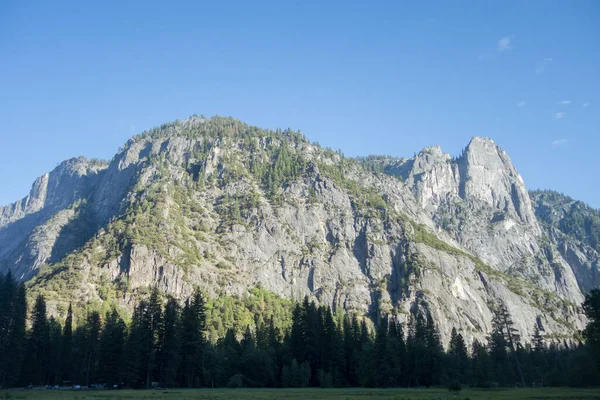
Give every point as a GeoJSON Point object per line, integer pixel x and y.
{"type": "Point", "coordinates": [231, 207]}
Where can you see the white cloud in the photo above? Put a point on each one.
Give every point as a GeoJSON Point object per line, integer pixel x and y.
{"type": "Point", "coordinates": [560, 142]}
{"type": "Point", "coordinates": [521, 103]}
{"type": "Point", "coordinates": [132, 128]}
{"type": "Point", "coordinates": [504, 44]}
{"type": "Point", "coordinates": [559, 115]}
{"type": "Point", "coordinates": [541, 65]}
{"type": "Point", "coordinates": [565, 102]}
{"type": "Point", "coordinates": [585, 105]}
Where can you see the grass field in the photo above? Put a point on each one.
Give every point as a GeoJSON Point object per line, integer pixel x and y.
{"type": "Point", "coordinates": [317, 394]}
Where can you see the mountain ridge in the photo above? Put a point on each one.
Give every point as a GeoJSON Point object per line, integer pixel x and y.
{"type": "Point", "coordinates": [227, 206]}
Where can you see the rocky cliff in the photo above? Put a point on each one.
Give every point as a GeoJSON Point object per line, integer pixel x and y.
{"type": "Point", "coordinates": [220, 204]}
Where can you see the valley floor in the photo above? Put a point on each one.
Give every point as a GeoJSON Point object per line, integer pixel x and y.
{"type": "Point", "coordinates": [316, 394]}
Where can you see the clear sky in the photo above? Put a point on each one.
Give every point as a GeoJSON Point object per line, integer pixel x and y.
{"type": "Point", "coordinates": [366, 77]}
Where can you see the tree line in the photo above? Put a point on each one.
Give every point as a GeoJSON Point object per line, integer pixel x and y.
{"type": "Point", "coordinates": [165, 344]}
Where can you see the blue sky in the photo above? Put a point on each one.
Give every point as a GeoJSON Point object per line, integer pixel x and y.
{"type": "Point", "coordinates": [79, 78]}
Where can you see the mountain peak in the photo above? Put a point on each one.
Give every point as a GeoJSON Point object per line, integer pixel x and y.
{"type": "Point", "coordinates": [484, 146]}
{"type": "Point", "coordinates": [481, 139]}
{"type": "Point", "coordinates": [484, 173]}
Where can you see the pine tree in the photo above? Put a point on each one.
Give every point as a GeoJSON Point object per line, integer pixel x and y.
{"type": "Point", "coordinates": [136, 347]}
{"type": "Point", "coordinates": [7, 289]}
{"type": "Point", "coordinates": [305, 374]}
{"type": "Point", "coordinates": [333, 351]}
{"type": "Point", "coordinates": [505, 336]}
{"type": "Point", "coordinates": [364, 371]}
{"type": "Point", "coordinates": [312, 326]}
{"type": "Point", "coordinates": [481, 364]}
{"type": "Point", "coordinates": [396, 352]}
{"type": "Point", "coordinates": [591, 308]}
{"type": "Point", "coordinates": [67, 346]}
{"type": "Point", "coordinates": [36, 370]}
{"type": "Point", "coordinates": [54, 351]}
{"type": "Point", "coordinates": [13, 314]}
{"type": "Point", "coordinates": [351, 349]}
{"type": "Point", "coordinates": [380, 360]}
{"type": "Point", "coordinates": [229, 350]}
{"type": "Point", "coordinates": [415, 349]}
{"type": "Point", "coordinates": [170, 344]}
{"type": "Point", "coordinates": [537, 340]}
{"type": "Point", "coordinates": [194, 324]}
{"type": "Point", "coordinates": [93, 327]}
{"type": "Point", "coordinates": [153, 324]}
{"type": "Point", "coordinates": [296, 339]}
{"type": "Point", "coordinates": [112, 349]}
{"type": "Point", "coordinates": [433, 370]}
{"type": "Point", "coordinates": [458, 356]}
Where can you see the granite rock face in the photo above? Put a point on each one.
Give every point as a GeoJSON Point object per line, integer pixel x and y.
{"type": "Point", "coordinates": [574, 229]}
{"type": "Point", "coordinates": [481, 201]}
{"type": "Point", "coordinates": [219, 204]}
{"type": "Point", "coordinates": [30, 229]}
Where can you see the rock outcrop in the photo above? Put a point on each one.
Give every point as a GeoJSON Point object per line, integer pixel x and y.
{"type": "Point", "coordinates": [30, 228]}
{"type": "Point", "coordinates": [481, 201]}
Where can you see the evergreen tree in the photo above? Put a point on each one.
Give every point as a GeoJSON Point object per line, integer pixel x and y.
{"type": "Point", "coordinates": [351, 349]}
{"type": "Point", "coordinates": [67, 346]}
{"type": "Point", "coordinates": [582, 369]}
{"type": "Point", "coordinates": [54, 351]}
{"type": "Point", "coordinates": [537, 341]}
{"type": "Point", "coordinates": [93, 327]}
{"type": "Point", "coordinates": [481, 365]}
{"type": "Point", "coordinates": [305, 374]}
{"type": "Point", "coordinates": [459, 359]}
{"type": "Point", "coordinates": [78, 368]}
{"type": "Point", "coordinates": [381, 362]}
{"type": "Point", "coordinates": [111, 349]}
{"type": "Point", "coordinates": [396, 353]}
{"type": "Point", "coordinates": [170, 344]}
{"type": "Point", "coordinates": [312, 326]}
{"type": "Point", "coordinates": [332, 352]}
{"type": "Point", "coordinates": [505, 336]}
{"type": "Point", "coordinates": [13, 313]}
{"type": "Point", "coordinates": [194, 324]}
{"type": "Point", "coordinates": [7, 292]}
{"type": "Point", "coordinates": [420, 346]}
{"type": "Point", "coordinates": [36, 371]}
{"type": "Point", "coordinates": [137, 347]}
{"type": "Point", "coordinates": [296, 339]}
{"type": "Point", "coordinates": [152, 321]}
{"type": "Point", "coordinates": [229, 356]}
{"type": "Point", "coordinates": [591, 308]}
{"type": "Point", "coordinates": [537, 357]}
{"type": "Point", "coordinates": [433, 371]}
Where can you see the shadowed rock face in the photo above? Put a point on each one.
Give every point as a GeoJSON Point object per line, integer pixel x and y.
{"type": "Point", "coordinates": [30, 229]}
{"type": "Point", "coordinates": [216, 203]}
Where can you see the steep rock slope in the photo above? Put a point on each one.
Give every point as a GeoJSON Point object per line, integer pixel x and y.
{"type": "Point", "coordinates": [34, 231]}
{"type": "Point", "coordinates": [574, 229]}
{"type": "Point", "coordinates": [481, 201]}
{"type": "Point", "coordinates": [220, 204]}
